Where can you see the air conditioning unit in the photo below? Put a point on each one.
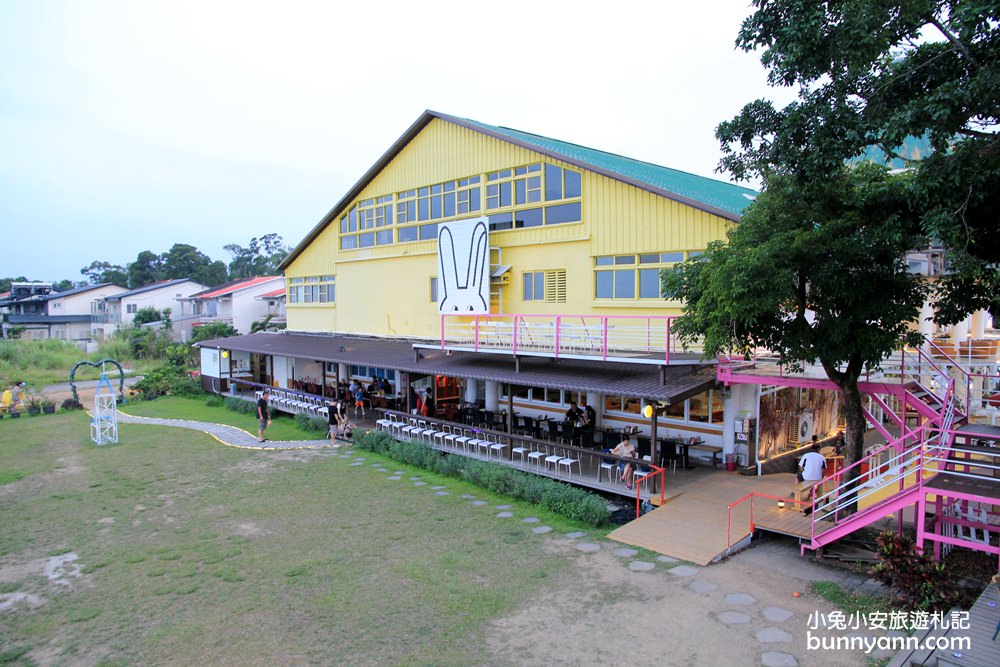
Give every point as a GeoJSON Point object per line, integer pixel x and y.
{"type": "Point", "coordinates": [805, 426]}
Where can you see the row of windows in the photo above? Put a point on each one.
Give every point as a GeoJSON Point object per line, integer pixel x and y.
{"type": "Point", "coordinates": [312, 289]}
{"type": "Point", "coordinates": [632, 276]}
{"type": "Point", "coordinates": [705, 408]}
{"type": "Point", "coordinates": [370, 222]}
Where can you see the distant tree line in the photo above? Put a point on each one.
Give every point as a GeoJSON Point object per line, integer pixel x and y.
{"type": "Point", "coordinates": [260, 257]}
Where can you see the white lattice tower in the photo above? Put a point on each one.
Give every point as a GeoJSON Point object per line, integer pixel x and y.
{"type": "Point", "coordinates": [104, 425]}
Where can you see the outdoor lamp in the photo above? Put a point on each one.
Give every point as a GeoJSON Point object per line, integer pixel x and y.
{"type": "Point", "coordinates": [650, 410]}
{"type": "Point", "coordinates": [225, 354]}
{"type": "Point", "coordinates": [781, 504]}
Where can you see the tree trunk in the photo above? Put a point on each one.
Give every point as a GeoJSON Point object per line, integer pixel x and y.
{"type": "Point", "coordinates": [854, 436]}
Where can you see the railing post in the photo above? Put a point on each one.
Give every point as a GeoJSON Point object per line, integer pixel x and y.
{"type": "Point", "coordinates": [442, 330]}
{"type": "Point", "coordinates": [476, 325]}
{"type": "Point", "coordinates": [666, 346]}
{"type": "Point", "coordinates": [517, 320]}
{"type": "Point", "coordinates": [558, 327]}
{"type": "Point", "coordinates": [604, 337]}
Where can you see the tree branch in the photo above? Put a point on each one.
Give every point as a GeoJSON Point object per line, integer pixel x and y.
{"type": "Point", "coordinates": [954, 40]}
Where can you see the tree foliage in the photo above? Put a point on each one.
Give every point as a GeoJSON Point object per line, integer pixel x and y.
{"type": "Point", "coordinates": [212, 330]}
{"type": "Point", "coordinates": [872, 73]}
{"type": "Point", "coordinates": [814, 273]}
{"type": "Point", "coordinates": [146, 315]}
{"type": "Point", "coordinates": [261, 257]}
{"type": "Point", "coordinates": [98, 272]}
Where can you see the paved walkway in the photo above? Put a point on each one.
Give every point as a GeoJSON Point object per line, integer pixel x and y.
{"type": "Point", "coordinates": [229, 435]}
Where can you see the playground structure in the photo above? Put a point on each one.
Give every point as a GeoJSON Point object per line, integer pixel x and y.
{"type": "Point", "coordinates": [104, 421]}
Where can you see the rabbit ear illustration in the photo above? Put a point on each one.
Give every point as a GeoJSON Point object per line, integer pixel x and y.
{"type": "Point", "coordinates": [477, 261]}
{"type": "Point", "coordinates": [448, 263]}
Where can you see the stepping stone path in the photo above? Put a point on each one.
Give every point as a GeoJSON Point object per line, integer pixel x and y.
{"type": "Point", "coordinates": [776, 659]}
{"type": "Point", "coordinates": [667, 559]}
{"type": "Point", "coordinates": [438, 487]}
{"type": "Point", "coordinates": [505, 515]}
{"type": "Point", "coordinates": [441, 493]}
{"type": "Point", "coordinates": [540, 530]}
{"type": "Point", "coordinates": [641, 566]}
{"type": "Point", "coordinates": [413, 479]}
{"type": "Point", "coordinates": [588, 547]}
{"type": "Point", "coordinates": [683, 571]}
{"type": "Point", "coordinates": [740, 599]}
{"type": "Point", "coordinates": [466, 496]}
{"type": "Point", "coordinates": [419, 483]}
{"type": "Point", "coordinates": [478, 503]}
{"type": "Point", "coordinates": [394, 478]}
{"type": "Point", "coordinates": [773, 636]}
{"type": "Point", "coordinates": [623, 552]}
{"type": "Point", "coordinates": [699, 586]}
{"type": "Point", "coordinates": [531, 519]}
{"type": "Point", "coordinates": [777, 614]}
{"type": "Point", "coordinates": [504, 507]}
{"type": "Point", "coordinates": [357, 463]}
{"type": "Point", "coordinates": [575, 534]}
{"type": "Point", "coordinates": [732, 617]}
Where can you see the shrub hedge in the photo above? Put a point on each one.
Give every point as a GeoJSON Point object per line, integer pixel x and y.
{"type": "Point", "coordinates": [563, 499]}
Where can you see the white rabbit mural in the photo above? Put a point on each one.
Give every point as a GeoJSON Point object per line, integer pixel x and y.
{"type": "Point", "coordinates": [463, 268]}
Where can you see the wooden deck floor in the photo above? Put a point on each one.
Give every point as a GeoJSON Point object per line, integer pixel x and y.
{"type": "Point", "coordinates": [694, 524]}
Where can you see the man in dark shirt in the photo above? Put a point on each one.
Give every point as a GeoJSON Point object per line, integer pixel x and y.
{"type": "Point", "coordinates": [571, 427]}
{"type": "Point", "coordinates": [263, 417]}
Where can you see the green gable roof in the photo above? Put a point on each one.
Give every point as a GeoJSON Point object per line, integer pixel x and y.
{"type": "Point", "coordinates": [701, 192]}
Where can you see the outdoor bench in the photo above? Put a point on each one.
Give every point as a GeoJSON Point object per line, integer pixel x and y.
{"type": "Point", "coordinates": [715, 450]}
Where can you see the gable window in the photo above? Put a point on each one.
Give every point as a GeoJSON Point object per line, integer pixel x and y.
{"type": "Point", "coordinates": [531, 195]}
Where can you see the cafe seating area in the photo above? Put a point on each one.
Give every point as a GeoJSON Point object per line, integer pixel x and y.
{"type": "Point", "coordinates": [533, 448]}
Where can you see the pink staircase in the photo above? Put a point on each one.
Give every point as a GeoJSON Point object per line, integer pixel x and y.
{"type": "Point", "coordinates": [918, 469]}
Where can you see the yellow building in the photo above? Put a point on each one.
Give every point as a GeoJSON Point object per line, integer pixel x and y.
{"type": "Point", "coordinates": [495, 266]}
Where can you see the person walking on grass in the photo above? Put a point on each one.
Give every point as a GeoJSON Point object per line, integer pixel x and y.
{"type": "Point", "coordinates": [263, 416]}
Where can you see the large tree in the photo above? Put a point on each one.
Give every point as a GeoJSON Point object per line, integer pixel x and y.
{"type": "Point", "coordinates": [872, 73]}
{"type": "Point", "coordinates": [815, 273]}
{"type": "Point", "coordinates": [261, 257]}
{"type": "Point", "coordinates": [186, 261]}
{"type": "Point", "coordinates": [147, 268]}
{"type": "Point", "coordinates": [98, 272]}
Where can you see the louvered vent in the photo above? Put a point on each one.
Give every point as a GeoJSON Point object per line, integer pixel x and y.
{"type": "Point", "coordinates": [555, 286]}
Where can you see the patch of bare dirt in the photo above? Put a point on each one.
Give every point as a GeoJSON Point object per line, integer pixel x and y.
{"type": "Point", "coordinates": [605, 613]}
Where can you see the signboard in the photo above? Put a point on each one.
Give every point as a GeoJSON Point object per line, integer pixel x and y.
{"type": "Point", "coordinates": [463, 266]}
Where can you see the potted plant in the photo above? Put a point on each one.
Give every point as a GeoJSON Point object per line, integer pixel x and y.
{"type": "Point", "coordinates": [48, 406]}
{"type": "Point", "coordinates": [34, 405]}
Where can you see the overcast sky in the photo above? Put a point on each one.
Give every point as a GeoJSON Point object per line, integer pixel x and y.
{"type": "Point", "coordinates": [131, 126]}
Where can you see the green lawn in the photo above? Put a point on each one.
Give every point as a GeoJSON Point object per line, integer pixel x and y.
{"type": "Point", "coordinates": [194, 553]}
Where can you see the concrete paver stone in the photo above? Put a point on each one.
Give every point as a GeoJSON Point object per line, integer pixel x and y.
{"type": "Point", "coordinates": [733, 617]}
{"type": "Point", "coordinates": [777, 614]}
{"type": "Point", "coordinates": [778, 659]}
{"type": "Point", "coordinates": [740, 599]}
{"type": "Point", "coordinates": [773, 636]}
{"type": "Point", "coordinates": [699, 586]}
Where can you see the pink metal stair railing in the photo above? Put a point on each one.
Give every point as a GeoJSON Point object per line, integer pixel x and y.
{"type": "Point", "coordinates": [654, 471]}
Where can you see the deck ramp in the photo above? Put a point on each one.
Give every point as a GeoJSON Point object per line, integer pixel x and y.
{"type": "Point", "coordinates": [692, 524]}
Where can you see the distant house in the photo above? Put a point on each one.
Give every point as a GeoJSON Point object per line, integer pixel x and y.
{"type": "Point", "coordinates": [119, 309]}
{"type": "Point", "coordinates": [45, 313]}
{"type": "Point", "coordinates": [275, 301]}
{"type": "Point", "coordinates": [234, 303]}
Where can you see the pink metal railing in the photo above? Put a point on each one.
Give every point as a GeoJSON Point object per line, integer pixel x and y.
{"type": "Point", "coordinates": [588, 335]}
{"type": "Point", "coordinates": [637, 481]}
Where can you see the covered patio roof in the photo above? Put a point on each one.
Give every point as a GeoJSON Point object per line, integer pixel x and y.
{"type": "Point", "coordinates": [667, 384]}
